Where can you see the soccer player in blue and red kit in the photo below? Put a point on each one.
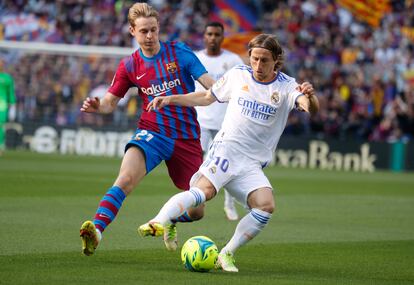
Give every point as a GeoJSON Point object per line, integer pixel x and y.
{"type": "Point", "coordinates": [171, 134]}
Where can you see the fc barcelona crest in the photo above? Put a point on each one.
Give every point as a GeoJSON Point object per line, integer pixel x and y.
{"type": "Point", "coordinates": [171, 67]}
{"type": "Point", "coordinates": [275, 98]}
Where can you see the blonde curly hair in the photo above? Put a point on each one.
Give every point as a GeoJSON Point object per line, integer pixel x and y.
{"type": "Point", "coordinates": [141, 10]}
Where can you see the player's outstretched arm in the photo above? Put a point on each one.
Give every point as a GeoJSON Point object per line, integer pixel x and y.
{"type": "Point", "coordinates": [105, 105]}
{"type": "Point", "coordinates": [308, 103]}
{"type": "Point", "coordinates": [201, 98]}
{"type": "Point", "coordinates": [206, 80]}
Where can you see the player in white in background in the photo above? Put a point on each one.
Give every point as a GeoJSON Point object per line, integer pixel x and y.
{"type": "Point", "coordinates": [260, 98]}
{"type": "Point", "coordinates": [217, 61]}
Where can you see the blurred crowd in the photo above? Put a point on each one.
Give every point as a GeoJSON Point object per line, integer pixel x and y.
{"type": "Point", "coordinates": [359, 72]}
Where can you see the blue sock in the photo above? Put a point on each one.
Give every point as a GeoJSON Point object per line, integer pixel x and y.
{"type": "Point", "coordinates": [108, 207]}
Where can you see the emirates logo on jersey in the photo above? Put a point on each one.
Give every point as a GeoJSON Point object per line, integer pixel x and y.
{"type": "Point", "coordinates": [171, 67]}
{"type": "Point", "coordinates": [275, 98]}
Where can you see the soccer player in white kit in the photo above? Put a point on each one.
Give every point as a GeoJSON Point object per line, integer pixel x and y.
{"type": "Point", "coordinates": [217, 61]}
{"type": "Point", "coordinates": [260, 98]}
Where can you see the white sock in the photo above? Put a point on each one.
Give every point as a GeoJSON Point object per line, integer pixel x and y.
{"type": "Point", "coordinates": [228, 200]}
{"type": "Point", "coordinates": [178, 204]}
{"type": "Point", "coordinates": [248, 227]}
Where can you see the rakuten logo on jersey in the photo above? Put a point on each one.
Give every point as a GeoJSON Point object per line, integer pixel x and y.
{"type": "Point", "coordinates": [157, 90]}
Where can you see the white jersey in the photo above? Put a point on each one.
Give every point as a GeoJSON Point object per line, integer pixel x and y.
{"type": "Point", "coordinates": [257, 112]}
{"type": "Point", "coordinates": [211, 117]}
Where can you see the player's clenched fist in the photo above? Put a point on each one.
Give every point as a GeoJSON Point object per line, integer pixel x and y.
{"type": "Point", "coordinates": [307, 89]}
{"type": "Point", "coordinates": [90, 105]}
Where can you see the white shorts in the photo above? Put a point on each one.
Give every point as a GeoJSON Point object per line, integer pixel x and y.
{"type": "Point", "coordinates": [206, 138]}
{"type": "Point", "coordinates": [227, 167]}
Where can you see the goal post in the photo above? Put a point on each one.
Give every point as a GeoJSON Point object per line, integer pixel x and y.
{"type": "Point", "coordinates": [65, 49]}
{"type": "Point", "coordinates": [51, 82]}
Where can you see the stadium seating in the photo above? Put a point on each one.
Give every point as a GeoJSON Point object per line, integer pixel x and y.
{"type": "Point", "coordinates": [364, 74]}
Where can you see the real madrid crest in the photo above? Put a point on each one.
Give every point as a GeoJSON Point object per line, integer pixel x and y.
{"type": "Point", "coordinates": [171, 67]}
{"type": "Point", "coordinates": [275, 97]}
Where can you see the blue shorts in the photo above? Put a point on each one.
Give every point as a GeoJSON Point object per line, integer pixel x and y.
{"type": "Point", "coordinates": [182, 157]}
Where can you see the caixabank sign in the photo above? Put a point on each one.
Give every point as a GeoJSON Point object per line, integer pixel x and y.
{"type": "Point", "coordinates": [347, 155]}
{"type": "Point", "coordinates": [342, 155]}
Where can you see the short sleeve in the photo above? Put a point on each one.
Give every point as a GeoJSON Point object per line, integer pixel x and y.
{"type": "Point", "coordinates": [293, 93]}
{"type": "Point", "coordinates": [221, 89]}
{"type": "Point", "coordinates": [121, 82]}
{"type": "Point", "coordinates": [193, 63]}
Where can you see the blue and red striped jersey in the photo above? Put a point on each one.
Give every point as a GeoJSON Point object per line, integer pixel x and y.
{"type": "Point", "coordinates": [171, 71]}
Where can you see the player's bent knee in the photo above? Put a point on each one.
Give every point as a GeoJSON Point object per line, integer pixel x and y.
{"type": "Point", "coordinates": [207, 187]}
{"type": "Point", "coordinates": [210, 192]}
{"type": "Point", "coordinates": [267, 206]}
{"type": "Point", "coordinates": [126, 182]}
{"type": "Point", "coordinates": [262, 199]}
{"type": "Point", "coordinates": [270, 208]}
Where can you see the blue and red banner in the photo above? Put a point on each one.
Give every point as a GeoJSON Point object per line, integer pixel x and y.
{"type": "Point", "coordinates": [235, 16]}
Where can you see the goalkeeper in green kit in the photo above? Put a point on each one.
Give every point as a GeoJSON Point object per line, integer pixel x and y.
{"type": "Point", "coordinates": [7, 104]}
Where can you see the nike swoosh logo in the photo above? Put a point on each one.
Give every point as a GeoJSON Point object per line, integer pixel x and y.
{"type": "Point", "coordinates": [159, 94]}
{"type": "Point", "coordinates": [139, 77]}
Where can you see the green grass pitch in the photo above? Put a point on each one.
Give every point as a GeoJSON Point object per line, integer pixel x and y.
{"type": "Point", "coordinates": [329, 227]}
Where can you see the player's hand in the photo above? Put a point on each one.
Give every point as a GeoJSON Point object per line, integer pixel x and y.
{"type": "Point", "coordinates": [90, 105]}
{"type": "Point", "coordinates": [304, 106]}
{"type": "Point", "coordinates": [158, 103]}
{"type": "Point", "coordinates": [307, 89]}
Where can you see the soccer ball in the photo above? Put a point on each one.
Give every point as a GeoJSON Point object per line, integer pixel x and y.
{"type": "Point", "coordinates": [199, 254]}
